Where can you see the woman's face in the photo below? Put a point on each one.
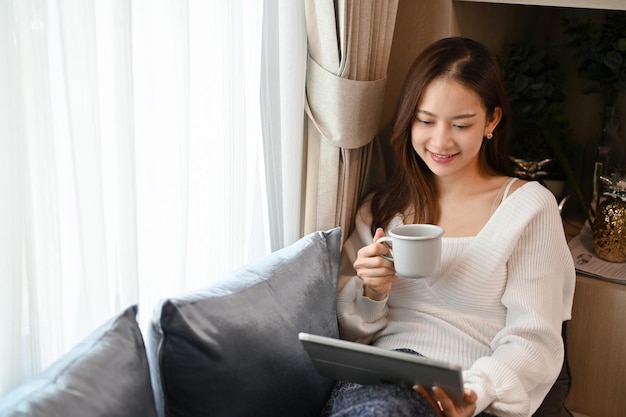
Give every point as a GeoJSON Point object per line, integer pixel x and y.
{"type": "Point", "coordinates": [449, 127]}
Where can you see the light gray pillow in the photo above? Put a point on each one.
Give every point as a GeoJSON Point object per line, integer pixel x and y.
{"type": "Point", "coordinates": [232, 349]}
{"type": "Point", "coordinates": [105, 375]}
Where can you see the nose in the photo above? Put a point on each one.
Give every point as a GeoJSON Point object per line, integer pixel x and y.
{"type": "Point", "coordinates": [441, 137]}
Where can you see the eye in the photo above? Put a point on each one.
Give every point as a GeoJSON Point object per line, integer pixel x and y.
{"type": "Point", "coordinates": [462, 126]}
{"type": "Point", "coordinates": [424, 122]}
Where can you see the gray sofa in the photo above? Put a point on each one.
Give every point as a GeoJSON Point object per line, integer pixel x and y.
{"type": "Point", "coordinates": [227, 350]}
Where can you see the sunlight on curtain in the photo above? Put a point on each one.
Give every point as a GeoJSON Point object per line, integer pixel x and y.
{"type": "Point", "coordinates": [132, 164]}
{"type": "Point", "coordinates": [57, 270]}
{"type": "Point", "coordinates": [282, 104]}
{"type": "Point", "coordinates": [198, 140]}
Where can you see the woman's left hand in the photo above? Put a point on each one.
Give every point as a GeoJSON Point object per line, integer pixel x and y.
{"type": "Point", "coordinates": [444, 407]}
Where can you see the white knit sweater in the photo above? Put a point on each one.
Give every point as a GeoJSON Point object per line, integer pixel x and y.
{"type": "Point", "coordinates": [496, 307]}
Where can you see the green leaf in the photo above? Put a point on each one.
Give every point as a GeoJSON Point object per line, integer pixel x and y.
{"type": "Point", "coordinates": [620, 45]}
{"type": "Point", "coordinates": [521, 83]}
{"type": "Point", "coordinates": [549, 132]}
{"type": "Point", "coordinates": [613, 60]}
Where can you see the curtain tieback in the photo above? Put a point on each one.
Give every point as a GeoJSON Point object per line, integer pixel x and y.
{"type": "Point", "coordinates": [346, 112]}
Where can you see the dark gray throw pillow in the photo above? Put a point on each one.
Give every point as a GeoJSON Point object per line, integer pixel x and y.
{"type": "Point", "coordinates": [105, 375]}
{"type": "Point", "coordinates": [232, 349]}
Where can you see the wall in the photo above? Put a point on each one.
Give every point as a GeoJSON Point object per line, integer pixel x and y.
{"type": "Point", "coordinates": [418, 24]}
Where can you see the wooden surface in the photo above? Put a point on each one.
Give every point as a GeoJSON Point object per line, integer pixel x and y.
{"type": "Point", "coordinates": [596, 343]}
{"type": "Point", "coordinates": [584, 4]}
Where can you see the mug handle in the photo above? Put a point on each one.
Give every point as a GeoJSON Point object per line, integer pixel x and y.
{"type": "Point", "coordinates": [386, 239]}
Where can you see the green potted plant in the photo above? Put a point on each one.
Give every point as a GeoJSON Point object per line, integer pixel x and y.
{"type": "Point", "coordinates": [540, 139]}
{"type": "Point", "coordinates": [601, 52]}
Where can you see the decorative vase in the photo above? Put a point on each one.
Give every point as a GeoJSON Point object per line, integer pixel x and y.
{"type": "Point", "coordinates": [609, 225]}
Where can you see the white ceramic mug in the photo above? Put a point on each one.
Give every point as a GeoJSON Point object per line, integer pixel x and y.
{"type": "Point", "coordinates": [415, 249]}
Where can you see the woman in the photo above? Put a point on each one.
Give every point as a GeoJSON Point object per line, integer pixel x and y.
{"type": "Point", "coordinates": [506, 280]}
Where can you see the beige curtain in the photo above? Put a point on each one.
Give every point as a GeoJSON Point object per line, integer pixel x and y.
{"type": "Point", "coordinates": [349, 46]}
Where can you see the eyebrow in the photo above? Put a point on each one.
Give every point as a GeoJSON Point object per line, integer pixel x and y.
{"type": "Point", "coordinates": [459, 116]}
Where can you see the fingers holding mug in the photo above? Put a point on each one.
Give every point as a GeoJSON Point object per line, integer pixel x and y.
{"type": "Point", "coordinates": [376, 272]}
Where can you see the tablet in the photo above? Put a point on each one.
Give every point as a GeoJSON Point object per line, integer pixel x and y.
{"type": "Point", "coordinates": [366, 364]}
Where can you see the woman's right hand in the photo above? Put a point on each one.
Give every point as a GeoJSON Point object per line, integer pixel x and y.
{"type": "Point", "coordinates": [442, 404]}
{"type": "Point", "coordinates": [377, 273]}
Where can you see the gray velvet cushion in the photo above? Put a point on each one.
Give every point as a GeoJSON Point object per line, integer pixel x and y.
{"type": "Point", "coordinates": [232, 349]}
{"type": "Point", "coordinates": [105, 375]}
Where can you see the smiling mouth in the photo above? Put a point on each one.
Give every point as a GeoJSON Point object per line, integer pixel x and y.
{"type": "Point", "coordinates": [440, 156]}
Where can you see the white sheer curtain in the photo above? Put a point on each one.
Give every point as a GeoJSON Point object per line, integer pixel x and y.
{"type": "Point", "coordinates": [132, 161]}
{"type": "Point", "coordinates": [283, 97]}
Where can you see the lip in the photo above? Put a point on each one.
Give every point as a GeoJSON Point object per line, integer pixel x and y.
{"type": "Point", "coordinates": [442, 158]}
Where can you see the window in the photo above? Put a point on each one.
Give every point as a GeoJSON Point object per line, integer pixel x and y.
{"type": "Point", "coordinates": [134, 163]}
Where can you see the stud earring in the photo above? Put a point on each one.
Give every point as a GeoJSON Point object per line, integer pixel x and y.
{"type": "Point", "coordinates": [489, 135]}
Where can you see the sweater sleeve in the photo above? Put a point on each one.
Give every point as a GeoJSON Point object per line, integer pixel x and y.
{"type": "Point", "coordinates": [359, 316]}
{"type": "Point", "coordinates": [528, 351]}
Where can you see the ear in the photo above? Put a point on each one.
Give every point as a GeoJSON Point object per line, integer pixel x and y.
{"type": "Point", "coordinates": [494, 120]}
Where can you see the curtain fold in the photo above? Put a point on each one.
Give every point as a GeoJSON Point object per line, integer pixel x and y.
{"type": "Point", "coordinates": [349, 47]}
{"type": "Point", "coordinates": [361, 101]}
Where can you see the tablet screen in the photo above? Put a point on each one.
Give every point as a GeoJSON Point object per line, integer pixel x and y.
{"type": "Point", "coordinates": [365, 364]}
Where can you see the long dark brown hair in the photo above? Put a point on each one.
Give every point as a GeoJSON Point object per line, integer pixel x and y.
{"type": "Point", "coordinates": [411, 186]}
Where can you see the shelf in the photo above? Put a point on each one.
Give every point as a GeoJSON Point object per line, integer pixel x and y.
{"type": "Point", "coordinates": [596, 341]}
{"type": "Point", "coordinates": [578, 4]}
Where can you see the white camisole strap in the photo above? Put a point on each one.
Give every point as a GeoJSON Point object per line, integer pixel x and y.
{"type": "Point", "coordinates": [508, 187]}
